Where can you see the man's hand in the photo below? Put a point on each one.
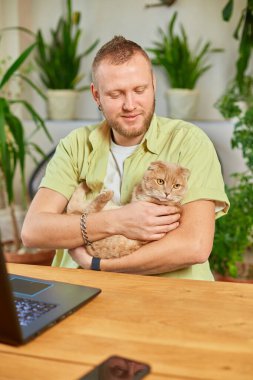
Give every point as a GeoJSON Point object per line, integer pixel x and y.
{"type": "Point", "coordinates": [146, 221]}
{"type": "Point", "coordinates": [81, 257]}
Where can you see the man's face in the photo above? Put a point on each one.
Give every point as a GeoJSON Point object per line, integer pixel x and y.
{"type": "Point", "coordinates": [125, 93]}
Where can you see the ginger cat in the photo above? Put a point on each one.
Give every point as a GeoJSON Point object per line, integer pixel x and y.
{"type": "Point", "coordinates": [163, 183]}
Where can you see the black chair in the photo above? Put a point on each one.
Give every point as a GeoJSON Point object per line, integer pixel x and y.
{"type": "Point", "coordinates": [38, 174]}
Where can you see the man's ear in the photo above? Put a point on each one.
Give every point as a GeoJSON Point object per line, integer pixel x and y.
{"type": "Point", "coordinates": [154, 81]}
{"type": "Point", "coordinates": [95, 93]}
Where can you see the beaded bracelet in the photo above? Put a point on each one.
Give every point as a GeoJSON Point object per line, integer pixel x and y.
{"type": "Point", "coordinates": [83, 227]}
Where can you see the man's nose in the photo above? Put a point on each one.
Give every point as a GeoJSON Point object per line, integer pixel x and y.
{"type": "Point", "coordinates": [129, 102]}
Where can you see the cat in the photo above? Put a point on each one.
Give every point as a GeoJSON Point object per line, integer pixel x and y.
{"type": "Point", "coordinates": [162, 183]}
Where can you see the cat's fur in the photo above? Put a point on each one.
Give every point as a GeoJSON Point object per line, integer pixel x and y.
{"type": "Point", "coordinates": [163, 183]}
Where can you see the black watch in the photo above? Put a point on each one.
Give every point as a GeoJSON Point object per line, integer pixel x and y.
{"type": "Point", "coordinates": [95, 263]}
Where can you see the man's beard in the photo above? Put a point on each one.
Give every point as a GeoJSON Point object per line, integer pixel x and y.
{"type": "Point", "coordinates": [127, 131]}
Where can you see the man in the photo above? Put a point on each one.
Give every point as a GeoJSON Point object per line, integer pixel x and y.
{"type": "Point", "coordinates": [115, 154]}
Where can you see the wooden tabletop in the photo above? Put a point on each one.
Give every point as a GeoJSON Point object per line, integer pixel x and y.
{"type": "Point", "coordinates": [184, 329]}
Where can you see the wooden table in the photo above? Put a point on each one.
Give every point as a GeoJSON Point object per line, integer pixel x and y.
{"type": "Point", "coordinates": [184, 329]}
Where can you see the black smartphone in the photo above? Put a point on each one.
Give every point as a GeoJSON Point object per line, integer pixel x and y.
{"type": "Point", "coordinates": [118, 368]}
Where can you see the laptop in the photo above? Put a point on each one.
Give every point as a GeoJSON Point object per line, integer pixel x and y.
{"type": "Point", "coordinates": [29, 306]}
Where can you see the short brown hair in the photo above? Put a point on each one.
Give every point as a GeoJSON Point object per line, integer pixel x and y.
{"type": "Point", "coordinates": [117, 51]}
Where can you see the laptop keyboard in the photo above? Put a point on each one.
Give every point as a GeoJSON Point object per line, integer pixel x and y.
{"type": "Point", "coordinates": [29, 310]}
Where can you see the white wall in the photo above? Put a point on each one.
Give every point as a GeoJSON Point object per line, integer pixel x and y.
{"type": "Point", "coordinates": [9, 43]}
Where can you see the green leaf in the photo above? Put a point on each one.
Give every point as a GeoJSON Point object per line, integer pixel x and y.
{"type": "Point", "coordinates": [16, 64]}
{"type": "Point", "coordinates": [171, 25]}
{"type": "Point", "coordinates": [20, 28]}
{"type": "Point", "coordinates": [36, 148]}
{"type": "Point", "coordinates": [228, 10]}
{"type": "Point", "coordinates": [31, 84]}
{"type": "Point", "coordinates": [239, 25]}
{"type": "Point", "coordinates": [69, 12]}
{"type": "Point", "coordinates": [83, 88]}
{"type": "Point", "coordinates": [16, 130]}
{"type": "Point", "coordinates": [7, 152]}
{"type": "Point", "coordinates": [90, 48]}
{"type": "Point", "coordinates": [35, 116]}
{"type": "Point", "coordinates": [2, 132]}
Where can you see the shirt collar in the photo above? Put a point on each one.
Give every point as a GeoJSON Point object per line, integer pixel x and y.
{"type": "Point", "coordinates": [151, 136]}
{"type": "Point", "coordinates": [101, 135]}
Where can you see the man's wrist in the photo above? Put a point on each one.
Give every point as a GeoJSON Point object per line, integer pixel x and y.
{"type": "Point", "coordinates": [111, 227]}
{"type": "Point", "coordinates": [109, 265]}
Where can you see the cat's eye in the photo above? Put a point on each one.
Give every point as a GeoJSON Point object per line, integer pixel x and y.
{"type": "Point", "coordinates": [177, 186]}
{"type": "Point", "coordinates": [160, 181]}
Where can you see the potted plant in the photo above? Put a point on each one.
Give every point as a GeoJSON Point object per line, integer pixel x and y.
{"type": "Point", "coordinates": [233, 237]}
{"type": "Point", "coordinates": [15, 147]}
{"type": "Point", "coordinates": [59, 63]}
{"type": "Point", "coordinates": [183, 68]}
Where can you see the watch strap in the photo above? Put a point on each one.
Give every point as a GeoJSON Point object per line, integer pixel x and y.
{"type": "Point", "coordinates": [95, 263]}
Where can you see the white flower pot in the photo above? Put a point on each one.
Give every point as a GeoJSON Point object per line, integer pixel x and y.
{"type": "Point", "coordinates": [61, 104]}
{"type": "Point", "coordinates": [182, 103]}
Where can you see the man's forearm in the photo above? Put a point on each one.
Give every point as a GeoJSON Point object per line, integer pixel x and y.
{"type": "Point", "coordinates": [165, 255]}
{"type": "Point", "coordinates": [49, 230]}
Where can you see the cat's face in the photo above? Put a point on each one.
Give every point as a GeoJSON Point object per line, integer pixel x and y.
{"type": "Point", "coordinates": [165, 181]}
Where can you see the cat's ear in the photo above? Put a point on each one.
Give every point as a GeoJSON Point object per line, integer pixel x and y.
{"type": "Point", "coordinates": [154, 165]}
{"type": "Point", "coordinates": [151, 166]}
{"type": "Point", "coordinates": [185, 173]}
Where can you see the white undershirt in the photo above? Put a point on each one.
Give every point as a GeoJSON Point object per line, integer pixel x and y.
{"type": "Point", "coordinates": [115, 168]}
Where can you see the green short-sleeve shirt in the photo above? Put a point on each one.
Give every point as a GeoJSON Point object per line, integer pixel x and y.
{"type": "Point", "coordinates": [83, 156]}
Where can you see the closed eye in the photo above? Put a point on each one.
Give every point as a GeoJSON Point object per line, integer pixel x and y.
{"type": "Point", "coordinates": [160, 181]}
{"type": "Point", "coordinates": [115, 96]}
{"type": "Point", "coordinates": [140, 90]}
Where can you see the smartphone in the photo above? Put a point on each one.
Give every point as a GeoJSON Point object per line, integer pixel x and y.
{"type": "Point", "coordinates": [118, 368]}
